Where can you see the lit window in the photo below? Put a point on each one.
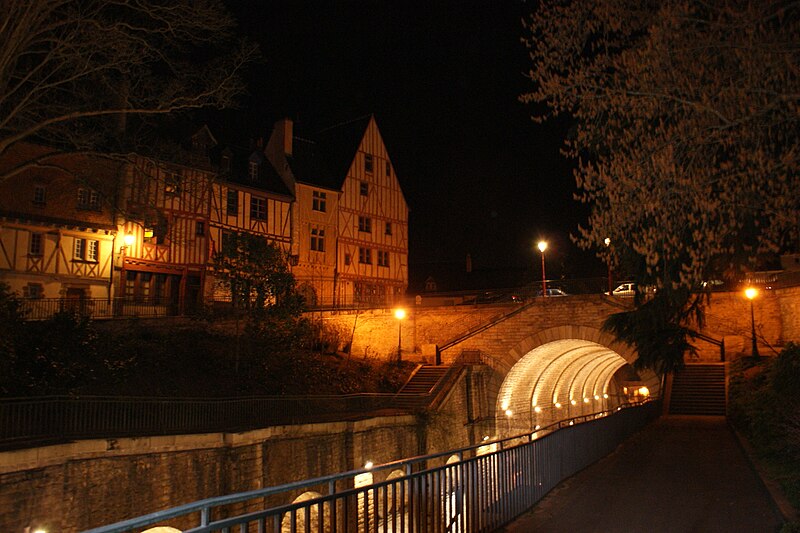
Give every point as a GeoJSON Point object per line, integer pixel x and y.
{"type": "Point", "coordinates": [367, 162]}
{"type": "Point", "coordinates": [388, 228]}
{"type": "Point", "coordinates": [365, 256]}
{"type": "Point", "coordinates": [39, 195]}
{"type": "Point", "coordinates": [365, 224]}
{"type": "Point", "coordinates": [232, 206]}
{"type": "Point", "coordinates": [383, 258]}
{"type": "Point", "coordinates": [318, 239]}
{"type": "Point", "coordinates": [258, 208]}
{"type": "Point", "coordinates": [36, 244]}
{"type": "Point", "coordinates": [319, 201]}
{"type": "Point", "coordinates": [92, 249]}
{"type": "Point", "coordinates": [79, 249]}
{"type": "Point", "coordinates": [364, 189]}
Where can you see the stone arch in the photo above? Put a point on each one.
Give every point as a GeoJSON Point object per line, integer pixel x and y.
{"type": "Point", "coordinates": [560, 373]}
{"type": "Point", "coordinates": [302, 515]}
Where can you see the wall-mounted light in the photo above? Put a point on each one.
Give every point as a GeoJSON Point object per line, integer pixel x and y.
{"type": "Point", "coordinates": [128, 239]}
{"type": "Point", "coordinates": [368, 465]}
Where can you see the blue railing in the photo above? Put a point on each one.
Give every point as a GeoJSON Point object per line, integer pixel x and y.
{"type": "Point", "coordinates": [472, 489]}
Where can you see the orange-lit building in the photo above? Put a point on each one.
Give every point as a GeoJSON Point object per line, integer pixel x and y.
{"type": "Point", "coordinates": [350, 223]}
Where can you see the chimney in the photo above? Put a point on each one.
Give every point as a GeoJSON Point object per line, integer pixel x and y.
{"type": "Point", "coordinates": [285, 129]}
{"type": "Point", "coordinates": [469, 263]}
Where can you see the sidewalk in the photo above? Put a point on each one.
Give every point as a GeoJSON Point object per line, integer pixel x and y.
{"type": "Point", "coordinates": [680, 474]}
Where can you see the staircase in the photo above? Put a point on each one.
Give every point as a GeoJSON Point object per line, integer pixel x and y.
{"type": "Point", "coordinates": [415, 393]}
{"type": "Point", "coordinates": [699, 389]}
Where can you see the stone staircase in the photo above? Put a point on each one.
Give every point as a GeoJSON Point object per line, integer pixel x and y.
{"type": "Point", "coordinates": [698, 389]}
{"type": "Point", "coordinates": [414, 393]}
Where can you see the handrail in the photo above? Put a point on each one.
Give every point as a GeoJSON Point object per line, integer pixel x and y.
{"type": "Point", "coordinates": [205, 506]}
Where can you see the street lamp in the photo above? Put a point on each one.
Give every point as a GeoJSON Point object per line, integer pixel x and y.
{"type": "Point", "coordinates": [399, 314]}
{"type": "Point", "coordinates": [542, 247]}
{"type": "Point", "coordinates": [751, 293]}
{"type": "Point", "coordinates": [607, 242]}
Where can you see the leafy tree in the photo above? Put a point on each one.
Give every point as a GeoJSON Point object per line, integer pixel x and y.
{"type": "Point", "coordinates": [86, 76]}
{"type": "Point", "coordinates": [686, 137]}
{"type": "Point", "coordinates": [256, 274]}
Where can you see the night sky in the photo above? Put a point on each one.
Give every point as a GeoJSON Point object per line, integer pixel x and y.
{"type": "Point", "coordinates": [443, 80]}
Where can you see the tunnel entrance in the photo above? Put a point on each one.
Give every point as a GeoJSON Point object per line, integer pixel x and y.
{"type": "Point", "coordinates": [566, 378]}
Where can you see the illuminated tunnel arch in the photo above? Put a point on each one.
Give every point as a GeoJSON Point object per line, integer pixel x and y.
{"type": "Point", "coordinates": [561, 373]}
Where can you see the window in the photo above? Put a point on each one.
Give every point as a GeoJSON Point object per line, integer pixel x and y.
{"type": "Point", "coordinates": [200, 228]}
{"type": "Point", "coordinates": [367, 162]}
{"type": "Point", "coordinates": [318, 239]}
{"type": "Point", "coordinates": [92, 249]}
{"type": "Point", "coordinates": [253, 170]}
{"type": "Point", "coordinates": [172, 184]}
{"type": "Point", "coordinates": [33, 290]}
{"type": "Point", "coordinates": [388, 169]}
{"type": "Point", "coordinates": [85, 250]}
{"type": "Point", "coordinates": [383, 258]}
{"type": "Point", "coordinates": [364, 189]}
{"type": "Point", "coordinates": [319, 200]}
{"type": "Point", "coordinates": [36, 244]}
{"type": "Point", "coordinates": [365, 224]}
{"type": "Point", "coordinates": [365, 256]}
{"type": "Point", "coordinates": [388, 228]}
{"type": "Point", "coordinates": [88, 199]}
{"type": "Point", "coordinates": [226, 242]}
{"type": "Point", "coordinates": [225, 163]}
{"type": "Point", "coordinates": [39, 195]}
{"type": "Point", "coordinates": [258, 208]}
{"type": "Point", "coordinates": [347, 259]}
{"type": "Point", "coordinates": [232, 207]}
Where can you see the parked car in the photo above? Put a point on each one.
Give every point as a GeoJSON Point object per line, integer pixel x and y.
{"type": "Point", "coordinates": [627, 290]}
{"type": "Point", "coordinates": [552, 291]}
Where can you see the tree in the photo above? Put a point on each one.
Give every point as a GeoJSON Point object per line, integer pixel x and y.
{"type": "Point", "coordinates": [686, 135]}
{"type": "Point", "coordinates": [256, 274]}
{"type": "Point", "coordinates": [87, 76]}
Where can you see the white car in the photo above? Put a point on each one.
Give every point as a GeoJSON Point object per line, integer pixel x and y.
{"type": "Point", "coordinates": [627, 290]}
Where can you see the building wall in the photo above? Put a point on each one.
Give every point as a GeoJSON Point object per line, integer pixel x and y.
{"type": "Point", "coordinates": [382, 204]}
{"type": "Point", "coordinates": [316, 269]}
{"type": "Point", "coordinates": [66, 207]}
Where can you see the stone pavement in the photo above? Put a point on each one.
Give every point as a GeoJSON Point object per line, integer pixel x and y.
{"type": "Point", "coordinates": [680, 474]}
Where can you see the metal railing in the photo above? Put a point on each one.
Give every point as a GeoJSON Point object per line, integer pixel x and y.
{"type": "Point", "coordinates": [25, 421]}
{"type": "Point", "coordinates": [488, 486]}
{"type": "Point", "coordinates": [44, 308]}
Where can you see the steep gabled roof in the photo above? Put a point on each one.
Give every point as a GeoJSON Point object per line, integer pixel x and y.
{"type": "Point", "coordinates": [324, 158]}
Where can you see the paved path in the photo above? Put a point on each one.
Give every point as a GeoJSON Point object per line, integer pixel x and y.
{"type": "Point", "coordinates": [680, 474]}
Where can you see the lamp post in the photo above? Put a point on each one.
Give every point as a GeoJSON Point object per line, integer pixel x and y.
{"type": "Point", "coordinates": [751, 293]}
{"type": "Point", "coordinates": [607, 242]}
{"type": "Point", "coordinates": [542, 247]}
{"type": "Point", "coordinates": [399, 314]}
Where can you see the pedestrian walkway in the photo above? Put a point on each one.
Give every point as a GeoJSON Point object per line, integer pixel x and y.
{"type": "Point", "coordinates": [680, 474]}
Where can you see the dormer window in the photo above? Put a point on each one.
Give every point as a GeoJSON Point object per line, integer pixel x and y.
{"type": "Point", "coordinates": [39, 195]}
{"type": "Point", "coordinates": [253, 170]}
{"type": "Point", "coordinates": [225, 163]}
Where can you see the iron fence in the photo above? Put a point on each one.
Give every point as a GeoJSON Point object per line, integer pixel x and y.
{"type": "Point", "coordinates": [474, 489]}
{"type": "Point", "coordinates": [60, 418]}
{"type": "Point", "coordinates": [98, 308]}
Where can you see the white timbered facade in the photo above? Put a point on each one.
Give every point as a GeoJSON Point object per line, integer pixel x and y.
{"type": "Point", "coordinates": [56, 228]}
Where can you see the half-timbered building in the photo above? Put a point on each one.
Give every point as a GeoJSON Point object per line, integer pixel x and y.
{"type": "Point", "coordinates": [57, 232]}
{"type": "Point", "coordinates": [165, 228]}
{"type": "Point", "coordinates": [351, 220]}
{"type": "Point", "coordinates": [248, 197]}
